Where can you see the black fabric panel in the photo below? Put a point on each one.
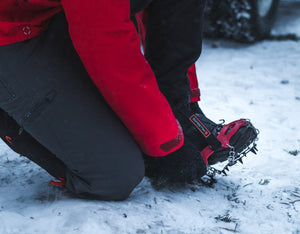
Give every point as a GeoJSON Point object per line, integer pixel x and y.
{"type": "Point", "coordinates": [138, 5]}
{"type": "Point", "coordinates": [25, 145]}
{"type": "Point", "coordinates": [173, 44]}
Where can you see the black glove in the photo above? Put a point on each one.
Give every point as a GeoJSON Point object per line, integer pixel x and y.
{"type": "Point", "coordinates": [184, 165]}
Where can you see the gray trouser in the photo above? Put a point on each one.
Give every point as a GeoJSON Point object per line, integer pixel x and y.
{"type": "Point", "coordinates": [45, 88]}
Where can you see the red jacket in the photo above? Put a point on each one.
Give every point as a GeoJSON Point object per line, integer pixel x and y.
{"type": "Point", "coordinates": [109, 47]}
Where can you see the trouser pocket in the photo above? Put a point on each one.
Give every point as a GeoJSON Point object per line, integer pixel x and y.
{"type": "Point", "coordinates": [6, 90]}
{"type": "Point", "coordinates": [38, 108]}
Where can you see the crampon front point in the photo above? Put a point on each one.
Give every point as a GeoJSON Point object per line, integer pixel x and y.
{"type": "Point", "coordinates": [233, 158]}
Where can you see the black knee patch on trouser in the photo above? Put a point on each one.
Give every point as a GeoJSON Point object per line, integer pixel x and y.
{"type": "Point", "coordinates": [45, 88]}
{"type": "Point", "coordinates": [24, 144]}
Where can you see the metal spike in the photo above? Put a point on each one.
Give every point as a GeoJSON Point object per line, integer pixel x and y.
{"type": "Point", "coordinates": [241, 160]}
{"type": "Point", "coordinates": [226, 168]}
{"type": "Point", "coordinates": [224, 172]}
{"type": "Point", "coordinates": [254, 147]}
{"type": "Point", "coordinates": [253, 151]}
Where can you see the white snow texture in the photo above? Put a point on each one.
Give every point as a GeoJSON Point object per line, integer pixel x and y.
{"type": "Point", "coordinates": [260, 82]}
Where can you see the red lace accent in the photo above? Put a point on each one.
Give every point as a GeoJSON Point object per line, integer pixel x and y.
{"type": "Point", "coordinates": [61, 182]}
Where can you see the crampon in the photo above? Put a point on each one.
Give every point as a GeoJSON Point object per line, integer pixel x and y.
{"type": "Point", "coordinates": [234, 141]}
{"type": "Point", "coordinates": [234, 158]}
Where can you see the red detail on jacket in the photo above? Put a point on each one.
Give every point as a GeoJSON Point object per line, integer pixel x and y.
{"type": "Point", "coordinates": [109, 47]}
{"type": "Point", "coordinates": [195, 91]}
{"type": "Point", "coordinates": [166, 147]}
{"type": "Point", "coordinates": [23, 20]}
{"type": "Point", "coordinates": [141, 19]}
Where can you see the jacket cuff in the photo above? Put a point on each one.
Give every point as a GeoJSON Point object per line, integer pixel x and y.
{"type": "Point", "coordinates": [163, 149]}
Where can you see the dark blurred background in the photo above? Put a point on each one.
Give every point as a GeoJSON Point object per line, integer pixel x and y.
{"type": "Point", "coordinates": [252, 20]}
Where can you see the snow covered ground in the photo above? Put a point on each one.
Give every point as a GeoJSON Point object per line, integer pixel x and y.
{"type": "Point", "coordinates": [260, 82]}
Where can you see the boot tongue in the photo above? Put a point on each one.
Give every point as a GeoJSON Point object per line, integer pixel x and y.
{"type": "Point", "coordinates": [210, 125]}
{"type": "Point", "coordinates": [191, 112]}
{"type": "Point", "coordinates": [196, 126]}
{"type": "Point", "coordinates": [196, 110]}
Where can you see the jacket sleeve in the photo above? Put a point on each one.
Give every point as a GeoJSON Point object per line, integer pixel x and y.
{"type": "Point", "coordinates": [109, 47]}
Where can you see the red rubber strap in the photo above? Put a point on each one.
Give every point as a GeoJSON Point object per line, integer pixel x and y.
{"type": "Point", "coordinates": [206, 153]}
{"type": "Point", "coordinates": [234, 127]}
{"type": "Point", "coordinates": [223, 137]}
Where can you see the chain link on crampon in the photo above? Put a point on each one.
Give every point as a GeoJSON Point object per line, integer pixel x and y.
{"type": "Point", "coordinates": [233, 158]}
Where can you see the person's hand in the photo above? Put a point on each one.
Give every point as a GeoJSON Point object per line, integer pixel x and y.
{"type": "Point", "coordinates": [184, 165]}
